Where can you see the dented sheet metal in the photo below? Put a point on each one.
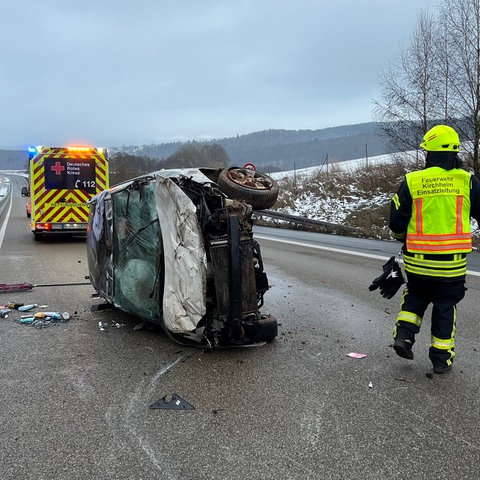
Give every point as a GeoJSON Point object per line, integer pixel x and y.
{"type": "Point", "coordinates": [184, 294]}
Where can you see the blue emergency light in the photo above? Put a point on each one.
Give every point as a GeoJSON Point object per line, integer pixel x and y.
{"type": "Point", "coordinates": [31, 152]}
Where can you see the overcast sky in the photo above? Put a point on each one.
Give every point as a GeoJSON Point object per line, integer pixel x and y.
{"type": "Point", "coordinates": [115, 72]}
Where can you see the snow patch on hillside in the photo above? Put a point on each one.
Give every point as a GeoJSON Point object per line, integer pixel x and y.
{"type": "Point", "coordinates": [327, 208]}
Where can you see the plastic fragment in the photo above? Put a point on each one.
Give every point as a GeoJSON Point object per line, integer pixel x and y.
{"type": "Point", "coordinates": [356, 355]}
{"type": "Point", "coordinates": [15, 305]}
{"type": "Point", "coordinates": [105, 325]}
{"type": "Point", "coordinates": [25, 308]}
{"type": "Point", "coordinates": [4, 312]}
{"type": "Point", "coordinates": [53, 315]}
{"type": "Point", "coordinates": [27, 321]}
{"type": "Point", "coordinates": [370, 385]}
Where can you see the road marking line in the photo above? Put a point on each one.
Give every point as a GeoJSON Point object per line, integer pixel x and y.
{"type": "Point", "coordinates": [339, 250]}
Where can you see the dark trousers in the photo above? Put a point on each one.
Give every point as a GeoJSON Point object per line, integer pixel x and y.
{"type": "Point", "coordinates": [444, 296]}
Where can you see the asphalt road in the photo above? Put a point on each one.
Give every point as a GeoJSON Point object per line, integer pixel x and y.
{"type": "Point", "coordinates": [75, 399]}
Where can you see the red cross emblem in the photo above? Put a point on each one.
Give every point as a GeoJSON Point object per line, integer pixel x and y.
{"type": "Point", "coordinates": [58, 168]}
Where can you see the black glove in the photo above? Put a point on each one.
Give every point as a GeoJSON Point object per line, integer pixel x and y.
{"type": "Point", "coordinates": [390, 281]}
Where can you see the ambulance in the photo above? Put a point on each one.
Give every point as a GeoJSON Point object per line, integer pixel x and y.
{"type": "Point", "coordinates": [62, 181]}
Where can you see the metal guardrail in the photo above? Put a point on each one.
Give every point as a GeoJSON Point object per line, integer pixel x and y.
{"type": "Point", "coordinates": [307, 221]}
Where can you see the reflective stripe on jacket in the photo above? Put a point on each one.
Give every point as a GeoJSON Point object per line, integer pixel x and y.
{"type": "Point", "coordinates": [440, 220]}
{"type": "Point", "coordinates": [444, 266]}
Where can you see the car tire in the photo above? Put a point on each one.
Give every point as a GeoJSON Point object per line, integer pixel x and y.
{"type": "Point", "coordinates": [257, 189]}
{"type": "Point", "coordinates": [265, 329]}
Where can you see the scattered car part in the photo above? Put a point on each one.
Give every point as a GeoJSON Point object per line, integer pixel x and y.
{"type": "Point", "coordinates": [175, 403]}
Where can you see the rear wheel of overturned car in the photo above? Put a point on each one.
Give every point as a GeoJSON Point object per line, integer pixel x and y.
{"type": "Point", "coordinates": [267, 329]}
{"type": "Point", "coordinates": [255, 188]}
{"type": "Point", "coordinates": [263, 329]}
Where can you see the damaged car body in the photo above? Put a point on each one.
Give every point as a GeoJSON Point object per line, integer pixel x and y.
{"type": "Point", "coordinates": [173, 249]}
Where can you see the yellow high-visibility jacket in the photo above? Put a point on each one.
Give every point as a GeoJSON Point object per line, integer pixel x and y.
{"type": "Point", "coordinates": [431, 214]}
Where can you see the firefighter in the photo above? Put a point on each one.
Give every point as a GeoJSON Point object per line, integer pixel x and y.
{"type": "Point", "coordinates": [431, 215]}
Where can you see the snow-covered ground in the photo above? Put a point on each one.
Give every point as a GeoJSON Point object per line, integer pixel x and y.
{"type": "Point", "coordinates": [347, 166]}
{"type": "Point", "coordinates": [316, 204]}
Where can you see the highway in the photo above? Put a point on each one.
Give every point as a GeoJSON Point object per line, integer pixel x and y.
{"type": "Point", "coordinates": [76, 396]}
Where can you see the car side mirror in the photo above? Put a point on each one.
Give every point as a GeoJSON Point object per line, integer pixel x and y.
{"type": "Point", "coordinates": [25, 192]}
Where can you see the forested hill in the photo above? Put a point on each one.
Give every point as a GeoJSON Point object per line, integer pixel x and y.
{"type": "Point", "coordinates": [13, 159]}
{"type": "Point", "coordinates": [286, 149]}
{"type": "Point", "coordinates": [269, 150]}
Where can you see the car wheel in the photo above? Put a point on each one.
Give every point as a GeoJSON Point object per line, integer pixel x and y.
{"type": "Point", "coordinates": [255, 188]}
{"type": "Point", "coordinates": [265, 329]}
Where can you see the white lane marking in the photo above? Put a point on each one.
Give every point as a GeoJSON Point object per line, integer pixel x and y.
{"type": "Point", "coordinates": [339, 250]}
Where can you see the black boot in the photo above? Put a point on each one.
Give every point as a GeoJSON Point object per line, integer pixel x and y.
{"type": "Point", "coordinates": [441, 359]}
{"type": "Point", "coordinates": [441, 368]}
{"type": "Point", "coordinates": [403, 348]}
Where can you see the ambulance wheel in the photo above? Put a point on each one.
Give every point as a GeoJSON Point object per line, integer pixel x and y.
{"type": "Point", "coordinates": [255, 188]}
{"type": "Point", "coordinates": [37, 236]}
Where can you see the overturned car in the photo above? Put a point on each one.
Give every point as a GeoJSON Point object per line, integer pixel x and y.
{"type": "Point", "coordinates": [176, 248]}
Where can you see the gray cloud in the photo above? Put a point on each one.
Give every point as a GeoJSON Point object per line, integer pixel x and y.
{"type": "Point", "coordinates": [112, 73]}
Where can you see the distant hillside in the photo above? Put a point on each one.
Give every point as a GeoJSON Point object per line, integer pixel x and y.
{"type": "Point", "coordinates": [13, 159]}
{"type": "Point", "coordinates": [268, 150]}
{"type": "Point", "coordinates": [284, 149]}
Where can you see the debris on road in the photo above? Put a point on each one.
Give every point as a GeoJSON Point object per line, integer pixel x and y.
{"type": "Point", "coordinates": [103, 326]}
{"type": "Point", "coordinates": [356, 355]}
{"type": "Point", "coordinates": [38, 319]}
{"type": "Point", "coordinates": [44, 319]}
{"type": "Point", "coordinates": [25, 287]}
{"type": "Point", "coordinates": [175, 403]}
{"type": "Point", "coordinates": [26, 308]}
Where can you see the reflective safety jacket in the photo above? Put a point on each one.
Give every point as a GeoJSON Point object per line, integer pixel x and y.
{"type": "Point", "coordinates": [440, 220]}
{"type": "Point", "coordinates": [431, 214]}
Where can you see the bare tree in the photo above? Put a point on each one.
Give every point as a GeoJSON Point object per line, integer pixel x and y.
{"type": "Point", "coordinates": [407, 101]}
{"type": "Point", "coordinates": [124, 167]}
{"type": "Point", "coordinates": [436, 80]}
{"type": "Point", "coordinates": [195, 154]}
{"type": "Point", "coordinates": [461, 22]}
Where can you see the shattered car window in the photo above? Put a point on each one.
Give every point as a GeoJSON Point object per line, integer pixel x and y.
{"type": "Point", "coordinates": [137, 248]}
